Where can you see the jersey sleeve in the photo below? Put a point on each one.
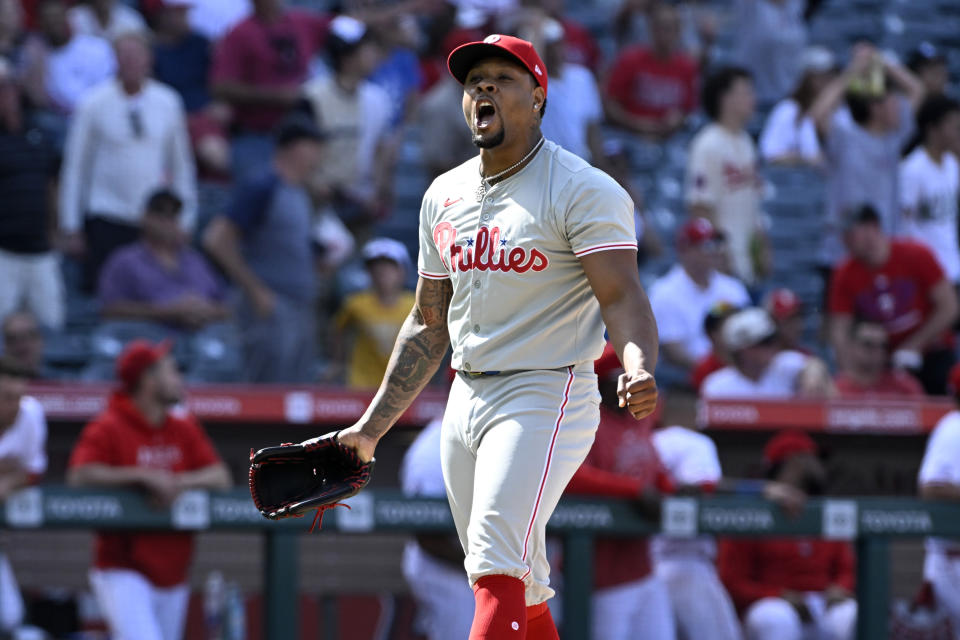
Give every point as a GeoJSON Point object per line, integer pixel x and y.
{"type": "Point", "coordinates": [430, 264]}
{"type": "Point", "coordinates": [700, 466]}
{"type": "Point", "coordinates": [909, 188]}
{"type": "Point", "coordinates": [941, 460]}
{"type": "Point", "coordinates": [598, 216]}
{"type": "Point", "coordinates": [704, 177]}
{"type": "Point", "coordinates": [95, 445]}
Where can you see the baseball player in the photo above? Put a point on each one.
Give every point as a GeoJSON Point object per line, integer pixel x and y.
{"type": "Point", "coordinates": [526, 251]}
{"type": "Point", "coordinates": [939, 479]}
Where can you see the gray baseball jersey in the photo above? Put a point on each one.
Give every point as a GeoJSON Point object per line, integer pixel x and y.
{"type": "Point", "coordinates": [520, 297]}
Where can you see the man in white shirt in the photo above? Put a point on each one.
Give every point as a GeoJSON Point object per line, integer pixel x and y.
{"type": "Point", "coordinates": [106, 19]}
{"type": "Point", "coordinates": [682, 298]}
{"type": "Point", "coordinates": [930, 181]}
{"type": "Point", "coordinates": [128, 138]}
{"type": "Point", "coordinates": [760, 369]}
{"type": "Point", "coordinates": [722, 181]}
{"type": "Point", "coordinates": [60, 66]}
{"type": "Point", "coordinates": [939, 479]}
{"type": "Point", "coordinates": [23, 460]}
{"type": "Point", "coordinates": [573, 120]}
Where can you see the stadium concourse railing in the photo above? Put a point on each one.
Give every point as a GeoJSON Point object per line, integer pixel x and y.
{"type": "Point", "coordinates": [868, 522]}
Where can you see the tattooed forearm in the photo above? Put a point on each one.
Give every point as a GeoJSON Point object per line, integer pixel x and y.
{"type": "Point", "coordinates": [420, 347]}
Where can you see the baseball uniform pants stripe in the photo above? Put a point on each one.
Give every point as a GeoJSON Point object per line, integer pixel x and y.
{"type": "Point", "coordinates": [546, 467]}
{"type": "Point", "coordinates": [509, 446]}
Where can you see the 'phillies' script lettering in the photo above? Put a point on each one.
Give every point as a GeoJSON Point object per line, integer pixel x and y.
{"type": "Point", "coordinates": [489, 253]}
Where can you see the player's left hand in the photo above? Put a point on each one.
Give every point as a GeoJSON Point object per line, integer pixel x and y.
{"type": "Point", "coordinates": [637, 393]}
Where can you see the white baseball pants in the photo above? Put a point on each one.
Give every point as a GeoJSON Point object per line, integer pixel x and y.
{"type": "Point", "coordinates": [137, 610]}
{"type": "Point", "coordinates": [776, 619]}
{"type": "Point", "coordinates": [11, 602]}
{"type": "Point", "coordinates": [943, 572]}
{"type": "Point", "coordinates": [702, 608]}
{"type": "Point", "coordinates": [639, 609]}
{"type": "Point", "coordinates": [35, 282]}
{"type": "Point", "coordinates": [510, 444]}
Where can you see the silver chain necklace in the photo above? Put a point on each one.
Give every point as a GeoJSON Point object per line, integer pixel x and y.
{"type": "Point", "coordinates": [482, 189]}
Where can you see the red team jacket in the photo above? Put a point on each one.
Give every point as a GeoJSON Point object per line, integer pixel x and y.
{"type": "Point", "coordinates": [121, 437]}
{"type": "Point", "coordinates": [622, 462]}
{"type": "Point", "coordinates": [755, 569]}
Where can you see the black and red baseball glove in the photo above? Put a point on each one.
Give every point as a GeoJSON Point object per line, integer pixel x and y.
{"type": "Point", "coordinates": [292, 479]}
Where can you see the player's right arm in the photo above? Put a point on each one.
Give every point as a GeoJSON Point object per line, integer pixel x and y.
{"type": "Point", "coordinates": [417, 354]}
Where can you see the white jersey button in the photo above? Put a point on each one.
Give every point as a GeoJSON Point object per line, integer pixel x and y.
{"type": "Point", "coordinates": [476, 284]}
{"type": "Point", "coordinates": [476, 328]}
{"type": "Point", "coordinates": [466, 366]}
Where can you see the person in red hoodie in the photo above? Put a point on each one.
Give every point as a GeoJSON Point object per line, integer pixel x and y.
{"type": "Point", "coordinates": [629, 600]}
{"type": "Point", "coordinates": [792, 588]}
{"type": "Point", "coordinates": [143, 441]}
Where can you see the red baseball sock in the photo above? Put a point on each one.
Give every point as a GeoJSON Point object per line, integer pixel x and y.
{"type": "Point", "coordinates": [501, 609]}
{"type": "Point", "coordinates": [540, 623]}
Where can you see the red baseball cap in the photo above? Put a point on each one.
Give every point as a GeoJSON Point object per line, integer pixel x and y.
{"type": "Point", "coordinates": [696, 231]}
{"type": "Point", "coordinates": [786, 444]}
{"type": "Point", "coordinates": [781, 303]}
{"type": "Point", "coordinates": [137, 357]}
{"type": "Point", "coordinates": [463, 58]}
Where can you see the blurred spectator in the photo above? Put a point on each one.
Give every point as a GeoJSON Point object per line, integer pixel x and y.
{"type": "Point", "coordinates": [440, 115]}
{"type": "Point", "coordinates": [632, 25]}
{"type": "Point", "coordinates": [23, 344]}
{"type": "Point", "coordinates": [718, 357]}
{"type": "Point", "coordinates": [616, 162]}
{"type": "Point", "coordinates": [722, 181]}
{"type": "Point", "coordinates": [398, 70]}
{"type": "Point", "coordinates": [106, 19]}
{"type": "Point", "coordinates": [930, 66]}
{"type": "Point", "coordinates": [368, 322]}
{"type": "Point", "coordinates": [11, 30]}
{"type": "Point", "coordinates": [59, 66]}
{"type": "Point", "coordinates": [141, 441]}
{"type": "Point", "coordinates": [128, 138]}
{"type": "Point", "coordinates": [651, 90]}
{"type": "Point", "coordinates": [580, 47]}
{"type": "Point", "coordinates": [701, 605]}
{"type": "Point", "coordinates": [354, 115]}
{"type": "Point", "coordinates": [771, 35]}
{"type": "Point", "coordinates": [789, 135]}
{"type": "Point", "coordinates": [629, 601]}
{"type": "Point", "coordinates": [433, 562]}
{"type": "Point", "coordinates": [575, 113]}
{"type": "Point", "coordinates": [899, 284]}
{"type": "Point", "coordinates": [214, 18]}
{"type": "Point", "coordinates": [863, 150]}
{"type": "Point", "coordinates": [263, 243]}
{"type": "Point", "coordinates": [792, 588]}
{"type": "Point", "coordinates": [785, 308]}
{"type": "Point", "coordinates": [23, 460]}
{"type": "Point", "coordinates": [258, 69]}
{"type": "Point", "coordinates": [930, 182]}
{"type": "Point", "coordinates": [760, 369]}
{"type": "Point", "coordinates": [28, 167]}
{"type": "Point", "coordinates": [682, 298]}
{"type": "Point", "coordinates": [182, 59]}
{"type": "Point", "coordinates": [161, 278]}
{"type": "Point", "coordinates": [869, 372]}
{"type": "Point", "coordinates": [939, 479]}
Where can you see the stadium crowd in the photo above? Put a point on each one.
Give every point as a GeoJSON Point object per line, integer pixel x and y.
{"type": "Point", "coordinates": [248, 175]}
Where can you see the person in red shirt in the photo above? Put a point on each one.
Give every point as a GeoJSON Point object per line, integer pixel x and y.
{"type": "Point", "coordinates": [900, 285]}
{"type": "Point", "coordinates": [142, 441]}
{"type": "Point", "coordinates": [629, 601]}
{"type": "Point", "coordinates": [650, 91]}
{"type": "Point", "coordinates": [869, 372]}
{"type": "Point", "coordinates": [258, 69]}
{"type": "Point", "coordinates": [786, 588]}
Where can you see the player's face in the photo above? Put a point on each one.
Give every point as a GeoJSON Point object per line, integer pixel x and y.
{"type": "Point", "coordinates": [498, 101]}
{"type": "Point", "coordinates": [870, 348]}
{"type": "Point", "coordinates": [167, 382]}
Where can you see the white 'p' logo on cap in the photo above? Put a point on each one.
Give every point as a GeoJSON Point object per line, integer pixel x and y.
{"type": "Point", "coordinates": [536, 68]}
{"type": "Point", "coordinates": [492, 39]}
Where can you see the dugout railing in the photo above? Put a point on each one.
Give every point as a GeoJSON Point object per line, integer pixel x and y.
{"type": "Point", "coordinates": [868, 522]}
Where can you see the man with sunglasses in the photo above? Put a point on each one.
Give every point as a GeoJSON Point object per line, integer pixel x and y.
{"type": "Point", "coordinates": [760, 369]}
{"type": "Point", "coordinates": [128, 137]}
{"type": "Point", "coordinates": [869, 372]}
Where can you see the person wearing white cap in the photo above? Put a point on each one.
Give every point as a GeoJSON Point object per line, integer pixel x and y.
{"type": "Point", "coordinates": [789, 135]}
{"type": "Point", "coordinates": [759, 369]}
{"type": "Point", "coordinates": [372, 318]}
